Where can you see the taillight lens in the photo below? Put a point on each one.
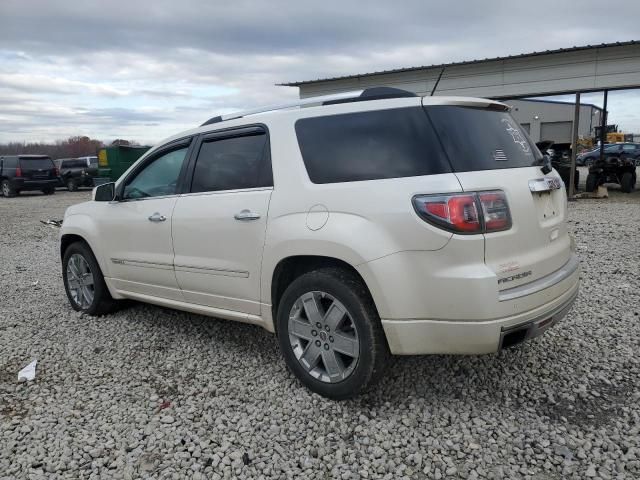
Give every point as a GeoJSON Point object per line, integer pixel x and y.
{"type": "Point", "coordinates": [57, 172]}
{"type": "Point", "coordinates": [455, 212]}
{"type": "Point", "coordinates": [465, 213]}
{"type": "Point", "coordinates": [495, 211]}
{"type": "Point", "coordinates": [18, 172]}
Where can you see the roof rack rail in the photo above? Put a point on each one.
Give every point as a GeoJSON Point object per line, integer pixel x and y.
{"type": "Point", "coordinates": [376, 93]}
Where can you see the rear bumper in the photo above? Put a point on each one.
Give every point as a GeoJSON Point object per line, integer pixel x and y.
{"type": "Point", "coordinates": [22, 184]}
{"type": "Point", "coordinates": [420, 336]}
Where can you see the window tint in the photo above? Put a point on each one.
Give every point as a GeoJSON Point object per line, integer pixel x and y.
{"type": "Point", "coordinates": [76, 163]}
{"type": "Point", "coordinates": [370, 146]}
{"type": "Point", "coordinates": [158, 178]}
{"type": "Point", "coordinates": [482, 139]}
{"type": "Point", "coordinates": [36, 163]}
{"type": "Point", "coordinates": [232, 163]}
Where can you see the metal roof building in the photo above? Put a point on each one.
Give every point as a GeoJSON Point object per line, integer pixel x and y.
{"type": "Point", "coordinates": [566, 70]}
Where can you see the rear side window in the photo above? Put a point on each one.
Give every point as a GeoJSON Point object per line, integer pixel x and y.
{"type": "Point", "coordinates": [232, 163]}
{"type": "Point", "coordinates": [36, 163]}
{"type": "Point", "coordinates": [482, 139]}
{"type": "Point", "coordinates": [370, 146]}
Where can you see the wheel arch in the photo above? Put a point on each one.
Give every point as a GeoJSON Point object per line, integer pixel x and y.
{"type": "Point", "coordinates": [292, 267]}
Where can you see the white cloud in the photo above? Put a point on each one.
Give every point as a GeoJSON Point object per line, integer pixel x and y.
{"type": "Point", "coordinates": [145, 70]}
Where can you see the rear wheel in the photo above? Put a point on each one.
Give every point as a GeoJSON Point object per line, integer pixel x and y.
{"type": "Point", "coordinates": [84, 282]}
{"type": "Point", "coordinates": [71, 185]}
{"type": "Point", "coordinates": [626, 182]}
{"type": "Point", "coordinates": [330, 334]}
{"type": "Point", "coordinates": [7, 189]}
{"type": "Point", "coordinates": [592, 182]}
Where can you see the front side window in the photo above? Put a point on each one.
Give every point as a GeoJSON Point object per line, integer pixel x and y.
{"type": "Point", "coordinates": [232, 163]}
{"type": "Point", "coordinates": [158, 178]}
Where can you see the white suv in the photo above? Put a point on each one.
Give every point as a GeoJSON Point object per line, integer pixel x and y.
{"type": "Point", "coordinates": [353, 226]}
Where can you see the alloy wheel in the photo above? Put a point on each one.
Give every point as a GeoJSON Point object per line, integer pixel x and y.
{"type": "Point", "coordinates": [323, 337]}
{"type": "Point", "coordinates": [80, 281]}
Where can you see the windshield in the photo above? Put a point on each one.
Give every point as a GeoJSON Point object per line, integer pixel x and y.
{"type": "Point", "coordinates": [482, 139]}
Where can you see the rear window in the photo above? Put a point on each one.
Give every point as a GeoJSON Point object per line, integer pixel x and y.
{"type": "Point", "coordinates": [370, 145]}
{"type": "Point", "coordinates": [36, 163]}
{"type": "Point", "coordinates": [481, 139]}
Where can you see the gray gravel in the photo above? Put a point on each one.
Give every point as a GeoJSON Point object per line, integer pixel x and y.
{"type": "Point", "coordinates": [149, 392]}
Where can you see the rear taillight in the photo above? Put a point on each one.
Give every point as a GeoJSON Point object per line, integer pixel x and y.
{"type": "Point", "coordinates": [57, 172]}
{"type": "Point", "coordinates": [495, 211]}
{"type": "Point", "coordinates": [18, 172]}
{"type": "Point", "coordinates": [465, 213]}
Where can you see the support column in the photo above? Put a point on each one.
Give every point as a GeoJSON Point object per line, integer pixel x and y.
{"type": "Point", "coordinates": [603, 125]}
{"type": "Point", "coordinates": [574, 147]}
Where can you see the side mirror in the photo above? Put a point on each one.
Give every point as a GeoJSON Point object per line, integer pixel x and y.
{"type": "Point", "coordinates": [105, 192]}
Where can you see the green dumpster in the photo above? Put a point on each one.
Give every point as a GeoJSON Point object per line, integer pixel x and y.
{"type": "Point", "coordinates": [114, 161]}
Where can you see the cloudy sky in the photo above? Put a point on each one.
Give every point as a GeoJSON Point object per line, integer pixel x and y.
{"type": "Point", "coordinates": [147, 69]}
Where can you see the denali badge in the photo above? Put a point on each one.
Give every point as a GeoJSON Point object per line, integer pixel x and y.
{"type": "Point", "coordinates": [545, 184]}
{"type": "Point", "coordinates": [517, 276]}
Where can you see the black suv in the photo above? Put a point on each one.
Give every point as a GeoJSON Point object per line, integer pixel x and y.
{"type": "Point", "coordinates": [19, 173]}
{"type": "Point", "coordinates": [629, 150]}
{"type": "Point", "coordinates": [76, 172]}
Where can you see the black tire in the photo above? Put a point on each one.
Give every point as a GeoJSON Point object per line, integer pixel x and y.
{"type": "Point", "coordinates": [102, 303]}
{"type": "Point", "coordinates": [576, 181]}
{"type": "Point", "coordinates": [626, 182]}
{"type": "Point", "coordinates": [71, 185]}
{"type": "Point", "coordinates": [592, 182]}
{"type": "Point", "coordinates": [373, 356]}
{"type": "Point", "coordinates": [7, 190]}
{"type": "Point", "coordinates": [49, 190]}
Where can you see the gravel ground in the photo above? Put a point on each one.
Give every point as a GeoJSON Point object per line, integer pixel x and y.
{"type": "Point", "coordinates": [149, 392]}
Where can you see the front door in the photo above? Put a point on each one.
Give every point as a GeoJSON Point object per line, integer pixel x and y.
{"type": "Point", "coordinates": [136, 230]}
{"type": "Point", "coordinates": [219, 226]}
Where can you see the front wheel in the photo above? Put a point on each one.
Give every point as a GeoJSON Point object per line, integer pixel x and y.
{"type": "Point", "coordinates": [627, 182]}
{"type": "Point", "coordinates": [330, 334]}
{"type": "Point", "coordinates": [71, 185]}
{"type": "Point", "coordinates": [84, 282]}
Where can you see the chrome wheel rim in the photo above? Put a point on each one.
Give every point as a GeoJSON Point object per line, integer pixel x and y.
{"type": "Point", "coordinates": [80, 281]}
{"type": "Point", "coordinates": [323, 337]}
{"type": "Point", "coordinates": [5, 189]}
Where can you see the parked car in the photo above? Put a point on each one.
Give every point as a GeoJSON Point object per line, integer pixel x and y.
{"type": "Point", "coordinates": [76, 172]}
{"type": "Point", "coordinates": [613, 169]}
{"type": "Point", "coordinates": [20, 173]}
{"type": "Point", "coordinates": [630, 150]}
{"type": "Point", "coordinates": [360, 227]}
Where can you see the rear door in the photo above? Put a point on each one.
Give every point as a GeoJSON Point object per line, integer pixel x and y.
{"type": "Point", "coordinates": [488, 150]}
{"type": "Point", "coordinates": [219, 227]}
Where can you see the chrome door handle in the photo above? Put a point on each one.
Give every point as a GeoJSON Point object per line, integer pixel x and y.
{"type": "Point", "coordinates": [156, 217]}
{"type": "Point", "coordinates": [246, 215]}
